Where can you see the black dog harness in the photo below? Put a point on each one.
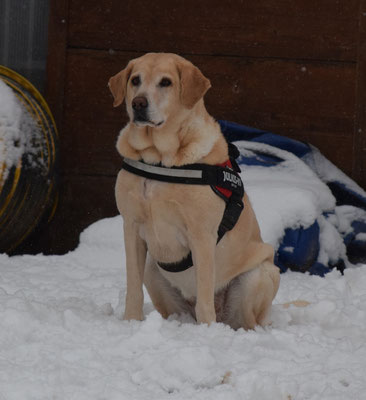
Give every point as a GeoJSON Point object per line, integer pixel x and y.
{"type": "Point", "coordinates": [224, 180]}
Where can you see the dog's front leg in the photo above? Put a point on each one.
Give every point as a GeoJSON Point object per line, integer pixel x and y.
{"type": "Point", "coordinates": [203, 253]}
{"type": "Point", "coordinates": [135, 266]}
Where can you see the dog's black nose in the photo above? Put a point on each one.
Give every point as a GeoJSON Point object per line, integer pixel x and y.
{"type": "Point", "coordinates": [139, 103]}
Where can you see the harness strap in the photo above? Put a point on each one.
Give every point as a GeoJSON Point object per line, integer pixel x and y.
{"type": "Point", "coordinates": [179, 266]}
{"type": "Point", "coordinates": [224, 180]}
{"type": "Point", "coordinates": [191, 174]}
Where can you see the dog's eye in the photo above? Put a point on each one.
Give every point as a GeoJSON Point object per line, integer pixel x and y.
{"type": "Point", "coordinates": [136, 81]}
{"type": "Point", "coordinates": [165, 82]}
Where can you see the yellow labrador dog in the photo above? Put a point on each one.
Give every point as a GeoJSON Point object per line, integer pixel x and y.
{"type": "Point", "coordinates": [232, 281]}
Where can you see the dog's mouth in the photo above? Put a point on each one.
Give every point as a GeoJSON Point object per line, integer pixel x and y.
{"type": "Point", "coordinates": [147, 122]}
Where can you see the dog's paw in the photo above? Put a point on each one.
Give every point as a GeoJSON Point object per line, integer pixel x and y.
{"type": "Point", "coordinates": [207, 316]}
{"type": "Point", "coordinates": [129, 316]}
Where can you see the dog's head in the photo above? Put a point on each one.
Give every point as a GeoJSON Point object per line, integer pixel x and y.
{"type": "Point", "coordinates": [157, 86]}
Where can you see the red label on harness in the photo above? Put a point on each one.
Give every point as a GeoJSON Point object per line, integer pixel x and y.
{"type": "Point", "coordinates": [226, 192]}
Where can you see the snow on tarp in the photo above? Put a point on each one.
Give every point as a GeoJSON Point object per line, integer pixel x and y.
{"type": "Point", "coordinates": [61, 336]}
{"type": "Point", "coordinates": [310, 211]}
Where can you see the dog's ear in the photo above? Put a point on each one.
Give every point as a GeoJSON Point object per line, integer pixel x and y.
{"type": "Point", "coordinates": [118, 84]}
{"type": "Point", "coordinates": [193, 84]}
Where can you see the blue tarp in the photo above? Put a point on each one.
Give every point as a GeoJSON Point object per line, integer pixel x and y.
{"type": "Point", "coordinates": [304, 242]}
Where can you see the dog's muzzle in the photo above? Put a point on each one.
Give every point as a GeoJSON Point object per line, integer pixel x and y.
{"type": "Point", "coordinates": [140, 106]}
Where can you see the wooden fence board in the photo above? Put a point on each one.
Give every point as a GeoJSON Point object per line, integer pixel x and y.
{"type": "Point", "coordinates": [359, 158]}
{"type": "Point", "coordinates": [324, 29]}
{"type": "Point", "coordinates": [57, 44]}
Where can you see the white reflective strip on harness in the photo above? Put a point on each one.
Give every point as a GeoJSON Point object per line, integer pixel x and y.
{"type": "Point", "coordinates": [152, 169]}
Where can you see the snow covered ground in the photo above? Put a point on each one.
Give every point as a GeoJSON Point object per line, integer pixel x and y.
{"type": "Point", "coordinates": [62, 337]}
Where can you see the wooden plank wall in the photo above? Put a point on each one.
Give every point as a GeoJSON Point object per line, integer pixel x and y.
{"type": "Point", "coordinates": [292, 67]}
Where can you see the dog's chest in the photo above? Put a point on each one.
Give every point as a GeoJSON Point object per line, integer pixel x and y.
{"type": "Point", "coordinates": [149, 190]}
{"type": "Point", "coordinates": [151, 194]}
{"type": "Point", "coordinates": [156, 208]}
{"type": "Point", "coordinates": [167, 213]}
{"type": "Point", "coordinates": [153, 200]}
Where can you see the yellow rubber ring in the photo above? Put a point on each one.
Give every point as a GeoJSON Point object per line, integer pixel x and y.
{"type": "Point", "coordinates": [27, 85]}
